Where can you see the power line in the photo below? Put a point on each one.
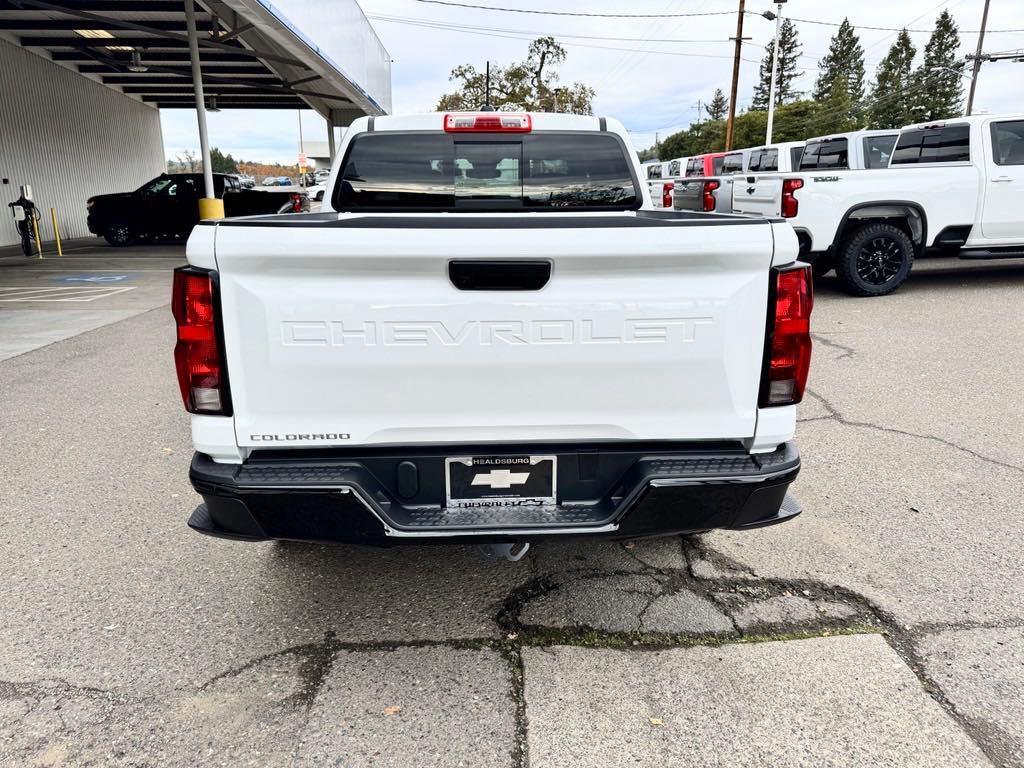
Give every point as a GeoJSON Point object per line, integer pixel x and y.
{"type": "Point", "coordinates": [876, 29]}
{"type": "Point", "coordinates": [577, 13]}
{"type": "Point", "coordinates": [588, 14]}
{"type": "Point", "coordinates": [474, 27]}
{"type": "Point", "coordinates": [916, 19]}
{"type": "Point", "coordinates": [457, 28]}
{"type": "Point", "coordinates": [629, 62]}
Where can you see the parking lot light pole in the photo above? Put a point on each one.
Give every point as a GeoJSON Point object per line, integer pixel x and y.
{"type": "Point", "coordinates": [775, 70]}
{"type": "Point", "coordinates": [209, 206]}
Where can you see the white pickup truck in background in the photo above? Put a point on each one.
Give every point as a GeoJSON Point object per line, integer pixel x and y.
{"type": "Point", "coordinates": [762, 191]}
{"type": "Point", "coordinates": [487, 335]}
{"type": "Point", "coordinates": [954, 187]}
{"type": "Point", "coordinates": [659, 183]}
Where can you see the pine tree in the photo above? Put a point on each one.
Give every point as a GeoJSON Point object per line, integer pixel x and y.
{"type": "Point", "coordinates": [836, 113]}
{"type": "Point", "coordinates": [937, 84]}
{"type": "Point", "coordinates": [845, 59]}
{"type": "Point", "coordinates": [891, 96]}
{"type": "Point", "coordinates": [789, 52]}
{"type": "Point", "coordinates": [719, 106]}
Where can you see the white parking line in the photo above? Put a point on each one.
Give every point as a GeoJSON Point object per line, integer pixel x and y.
{"type": "Point", "coordinates": [18, 289]}
{"type": "Point", "coordinates": [76, 293]}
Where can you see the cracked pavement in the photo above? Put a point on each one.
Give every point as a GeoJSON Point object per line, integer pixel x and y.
{"type": "Point", "coordinates": [882, 626]}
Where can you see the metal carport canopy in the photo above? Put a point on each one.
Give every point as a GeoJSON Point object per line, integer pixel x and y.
{"type": "Point", "coordinates": [252, 55]}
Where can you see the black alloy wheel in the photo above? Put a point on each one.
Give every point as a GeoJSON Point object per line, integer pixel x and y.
{"type": "Point", "coordinates": [875, 260]}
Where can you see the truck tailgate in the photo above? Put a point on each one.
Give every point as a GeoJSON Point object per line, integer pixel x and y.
{"type": "Point", "coordinates": [761, 194]}
{"type": "Point", "coordinates": [348, 329]}
{"type": "Point", "coordinates": [689, 195]}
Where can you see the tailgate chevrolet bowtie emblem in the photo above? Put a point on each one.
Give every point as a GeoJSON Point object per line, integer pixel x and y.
{"type": "Point", "coordinates": [501, 478]}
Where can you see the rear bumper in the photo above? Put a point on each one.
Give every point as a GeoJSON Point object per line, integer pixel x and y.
{"type": "Point", "coordinates": [618, 491]}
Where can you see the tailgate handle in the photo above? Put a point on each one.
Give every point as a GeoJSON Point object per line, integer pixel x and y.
{"type": "Point", "coordinates": [491, 275]}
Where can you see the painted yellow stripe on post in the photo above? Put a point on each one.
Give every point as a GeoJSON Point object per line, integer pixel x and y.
{"type": "Point", "coordinates": [56, 231]}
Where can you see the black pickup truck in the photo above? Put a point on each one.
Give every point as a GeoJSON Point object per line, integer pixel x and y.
{"type": "Point", "coordinates": [168, 206]}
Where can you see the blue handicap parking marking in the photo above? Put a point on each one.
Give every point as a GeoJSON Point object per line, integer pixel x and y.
{"type": "Point", "coordinates": [91, 278]}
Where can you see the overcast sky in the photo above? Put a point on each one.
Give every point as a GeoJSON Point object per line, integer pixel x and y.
{"type": "Point", "coordinates": [649, 75]}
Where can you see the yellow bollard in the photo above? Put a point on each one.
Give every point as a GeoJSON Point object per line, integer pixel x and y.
{"type": "Point", "coordinates": [56, 232]}
{"type": "Point", "coordinates": [211, 208]}
{"type": "Point", "coordinates": [39, 243]}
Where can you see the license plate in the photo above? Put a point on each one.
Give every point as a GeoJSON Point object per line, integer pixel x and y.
{"type": "Point", "coordinates": [496, 481]}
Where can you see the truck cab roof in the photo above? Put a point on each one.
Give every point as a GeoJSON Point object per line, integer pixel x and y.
{"type": "Point", "coordinates": [854, 134]}
{"type": "Point", "coordinates": [971, 120]}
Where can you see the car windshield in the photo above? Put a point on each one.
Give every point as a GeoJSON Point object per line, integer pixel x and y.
{"type": "Point", "coordinates": [528, 172]}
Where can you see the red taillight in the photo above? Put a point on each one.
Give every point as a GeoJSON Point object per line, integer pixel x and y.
{"type": "Point", "coordinates": [666, 194]}
{"type": "Point", "coordinates": [296, 202]}
{"type": "Point", "coordinates": [788, 349]}
{"type": "Point", "coordinates": [197, 355]}
{"type": "Point", "coordinates": [709, 197]}
{"type": "Point", "coordinates": [790, 205]}
{"type": "Point", "coordinates": [504, 122]}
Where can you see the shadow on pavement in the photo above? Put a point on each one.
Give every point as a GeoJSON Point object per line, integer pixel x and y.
{"type": "Point", "coordinates": [942, 273]}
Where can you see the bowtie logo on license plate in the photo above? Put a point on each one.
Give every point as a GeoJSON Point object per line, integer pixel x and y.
{"type": "Point", "coordinates": [500, 481]}
{"type": "Point", "coordinates": [501, 478]}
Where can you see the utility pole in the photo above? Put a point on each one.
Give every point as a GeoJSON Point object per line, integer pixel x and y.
{"type": "Point", "coordinates": [775, 72]}
{"type": "Point", "coordinates": [735, 76]}
{"type": "Point", "coordinates": [977, 59]}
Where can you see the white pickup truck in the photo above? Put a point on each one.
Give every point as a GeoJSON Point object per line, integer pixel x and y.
{"type": "Point", "coordinates": [659, 183]}
{"type": "Point", "coordinates": [486, 335]}
{"type": "Point", "coordinates": [953, 187]}
{"type": "Point", "coordinates": [761, 192]}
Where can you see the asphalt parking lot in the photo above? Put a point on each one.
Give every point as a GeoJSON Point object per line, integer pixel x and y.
{"type": "Point", "coordinates": [884, 626]}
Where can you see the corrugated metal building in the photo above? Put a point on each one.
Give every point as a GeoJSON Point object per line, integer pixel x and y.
{"type": "Point", "coordinates": [69, 137]}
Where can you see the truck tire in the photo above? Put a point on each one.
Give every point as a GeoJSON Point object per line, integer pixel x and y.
{"type": "Point", "coordinates": [119, 234]}
{"type": "Point", "coordinates": [875, 260]}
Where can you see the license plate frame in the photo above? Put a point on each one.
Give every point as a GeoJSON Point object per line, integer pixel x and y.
{"type": "Point", "coordinates": [497, 481]}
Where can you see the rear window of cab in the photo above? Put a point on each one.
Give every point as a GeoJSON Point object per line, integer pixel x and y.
{"type": "Point", "coordinates": [732, 164]}
{"type": "Point", "coordinates": [764, 160]}
{"type": "Point", "coordinates": [933, 144]}
{"type": "Point", "coordinates": [389, 171]}
{"type": "Point", "coordinates": [827, 153]}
